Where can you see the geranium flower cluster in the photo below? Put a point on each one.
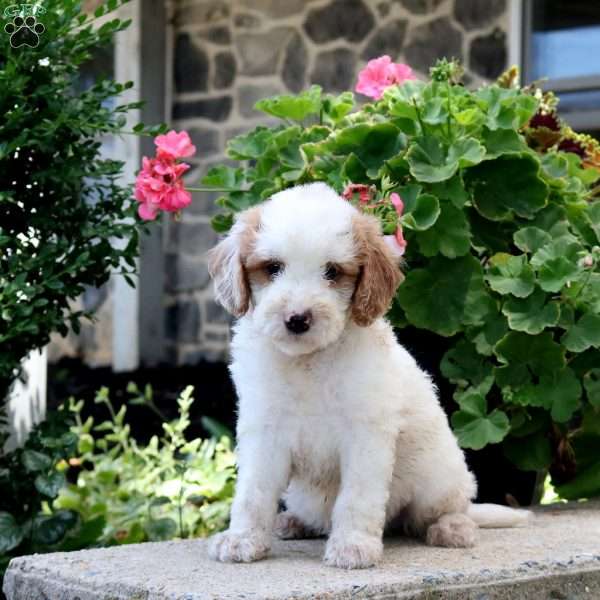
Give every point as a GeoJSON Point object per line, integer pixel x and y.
{"type": "Point", "coordinates": [159, 185]}
{"type": "Point", "coordinates": [368, 202]}
{"type": "Point", "coordinates": [381, 73]}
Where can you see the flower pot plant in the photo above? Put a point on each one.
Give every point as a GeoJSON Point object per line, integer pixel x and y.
{"type": "Point", "coordinates": [494, 203]}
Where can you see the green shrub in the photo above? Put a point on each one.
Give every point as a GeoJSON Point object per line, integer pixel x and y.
{"type": "Point", "coordinates": [62, 205]}
{"type": "Point", "coordinates": [76, 484]}
{"type": "Point", "coordinates": [168, 488]}
{"type": "Point", "coordinates": [30, 479]}
{"type": "Point", "coordinates": [503, 231]}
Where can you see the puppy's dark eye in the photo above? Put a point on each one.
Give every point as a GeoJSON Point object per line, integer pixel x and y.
{"type": "Point", "coordinates": [273, 268]}
{"type": "Point", "coordinates": [331, 272]}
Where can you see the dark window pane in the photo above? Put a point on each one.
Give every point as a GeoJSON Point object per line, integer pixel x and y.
{"type": "Point", "coordinates": [565, 38]}
{"type": "Point", "coordinates": [579, 101]}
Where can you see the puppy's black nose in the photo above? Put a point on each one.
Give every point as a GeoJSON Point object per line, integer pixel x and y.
{"type": "Point", "coordinates": [299, 323]}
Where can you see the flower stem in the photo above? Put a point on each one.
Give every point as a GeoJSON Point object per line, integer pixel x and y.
{"type": "Point", "coordinates": [215, 189]}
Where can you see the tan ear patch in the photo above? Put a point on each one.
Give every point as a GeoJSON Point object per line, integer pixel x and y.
{"type": "Point", "coordinates": [226, 263]}
{"type": "Point", "coordinates": [379, 275]}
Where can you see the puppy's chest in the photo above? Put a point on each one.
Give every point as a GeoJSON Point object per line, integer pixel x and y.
{"type": "Point", "coordinates": [315, 446]}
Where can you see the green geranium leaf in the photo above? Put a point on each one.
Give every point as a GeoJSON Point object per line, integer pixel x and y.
{"type": "Point", "coordinates": [531, 239]}
{"type": "Point", "coordinates": [223, 177]}
{"type": "Point", "coordinates": [507, 186]}
{"type": "Point", "coordinates": [466, 151]}
{"type": "Point", "coordinates": [373, 144]}
{"type": "Point", "coordinates": [296, 108]}
{"type": "Point", "coordinates": [591, 383]}
{"type": "Point", "coordinates": [487, 336]}
{"type": "Point", "coordinates": [531, 314]}
{"type": "Point", "coordinates": [474, 427]}
{"type": "Point", "coordinates": [222, 223]}
{"type": "Point", "coordinates": [556, 273]}
{"type": "Point", "coordinates": [510, 275]}
{"type": "Point", "coordinates": [531, 453]}
{"type": "Point", "coordinates": [421, 213]}
{"type": "Point", "coordinates": [429, 160]}
{"type": "Point", "coordinates": [452, 189]}
{"type": "Point", "coordinates": [584, 334]}
{"type": "Point", "coordinates": [502, 141]}
{"type": "Point", "coordinates": [555, 165]}
{"type": "Point", "coordinates": [337, 107]}
{"type": "Point", "coordinates": [435, 111]}
{"type": "Point", "coordinates": [450, 235]}
{"type": "Point", "coordinates": [559, 392]}
{"type": "Point", "coordinates": [11, 534]}
{"type": "Point", "coordinates": [252, 145]}
{"type": "Point", "coordinates": [456, 294]}
{"type": "Point", "coordinates": [540, 352]}
{"type": "Point", "coordinates": [464, 366]}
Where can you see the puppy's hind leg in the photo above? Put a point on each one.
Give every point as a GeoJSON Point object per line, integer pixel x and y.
{"type": "Point", "coordinates": [307, 514]}
{"type": "Point", "coordinates": [453, 530]}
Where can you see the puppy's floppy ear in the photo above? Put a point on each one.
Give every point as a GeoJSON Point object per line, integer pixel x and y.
{"type": "Point", "coordinates": [379, 274]}
{"type": "Point", "coordinates": [226, 263]}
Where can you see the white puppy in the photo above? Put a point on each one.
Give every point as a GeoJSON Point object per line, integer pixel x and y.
{"type": "Point", "coordinates": [335, 417]}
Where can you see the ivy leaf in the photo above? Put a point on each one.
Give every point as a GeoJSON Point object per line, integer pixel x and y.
{"type": "Point", "coordinates": [455, 294]}
{"type": "Point", "coordinates": [35, 461]}
{"type": "Point", "coordinates": [540, 352]}
{"type": "Point", "coordinates": [51, 529]}
{"type": "Point", "coordinates": [49, 485]}
{"type": "Point", "coordinates": [531, 453]}
{"type": "Point", "coordinates": [450, 235]}
{"type": "Point", "coordinates": [591, 383]}
{"type": "Point", "coordinates": [296, 107]}
{"type": "Point", "coordinates": [11, 534]}
{"type": "Point", "coordinates": [531, 314]}
{"type": "Point", "coordinates": [510, 275]}
{"type": "Point", "coordinates": [584, 334]}
{"type": "Point", "coordinates": [555, 273]}
{"type": "Point", "coordinates": [474, 427]}
{"type": "Point", "coordinates": [507, 186]}
{"type": "Point", "coordinates": [531, 239]}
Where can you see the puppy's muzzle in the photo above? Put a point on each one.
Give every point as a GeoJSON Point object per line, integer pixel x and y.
{"type": "Point", "coordinates": [299, 323]}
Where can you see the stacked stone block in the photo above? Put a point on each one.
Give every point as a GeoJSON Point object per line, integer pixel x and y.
{"type": "Point", "coordinates": [230, 53]}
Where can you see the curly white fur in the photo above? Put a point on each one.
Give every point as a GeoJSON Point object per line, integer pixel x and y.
{"type": "Point", "coordinates": [339, 421]}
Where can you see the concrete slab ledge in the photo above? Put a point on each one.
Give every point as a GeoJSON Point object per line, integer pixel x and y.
{"type": "Point", "coordinates": [557, 557]}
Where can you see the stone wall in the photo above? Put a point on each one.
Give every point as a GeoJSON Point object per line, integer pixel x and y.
{"type": "Point", "coordinates": [230, 53]}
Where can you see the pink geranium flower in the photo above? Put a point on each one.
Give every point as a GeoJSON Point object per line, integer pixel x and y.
{"type": "Point", "coordinates": [396, 241]}
{"type": "Point", "coordinates": [159, 186]}
{"type": "Point", "coordinates": [381, 73]}
{"type": "Point", "coordinates": [174, 145]}
{"type": "Point", "coordinates": [363, 190]}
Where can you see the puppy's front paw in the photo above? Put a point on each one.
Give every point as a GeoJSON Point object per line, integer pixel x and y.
{"type": "Point", "coordinates": [353, 551]}
{"type": "Point", "coordinates": [238, 547]}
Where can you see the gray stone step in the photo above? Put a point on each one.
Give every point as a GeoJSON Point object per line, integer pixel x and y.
{"type": "Point", "coordinates": [556, 557]}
